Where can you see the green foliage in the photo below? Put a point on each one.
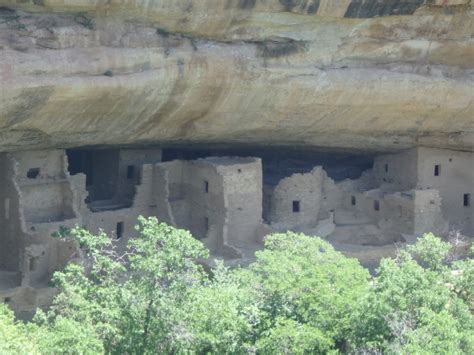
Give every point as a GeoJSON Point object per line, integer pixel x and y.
{"type": "Point", "coordinates": [14, 337]}
{"type": "Point", "coordinates": [133, 307]}
{"type": "Point", "coordinates": [300, 296]}
{"type": "Point", "coordinates": [66, 336]}
{"type": "Point", "coordinates": [304, 279]}
{"type": "Point", "coordinates": [412, 306]}
{"type": "Point", "coordinates": [291, 337]}
{"type": "Point", "coordinates": [63, 232]}
{"type": "Point", "coordinates": [221, 314]}
{"type": "Point", "coordinates": [463, 281]}
{"type": "Point", "coordinates": [430, 252]}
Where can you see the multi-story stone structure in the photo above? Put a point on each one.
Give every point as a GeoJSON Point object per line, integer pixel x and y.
{"type": "Point", "coordinates": [221, 200]}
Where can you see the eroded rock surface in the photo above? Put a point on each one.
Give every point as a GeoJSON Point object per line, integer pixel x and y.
{"type": "Point", "coordinates": [355, 74]}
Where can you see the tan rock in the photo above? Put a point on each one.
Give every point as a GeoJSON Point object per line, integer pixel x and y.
{"type": "Point", "coordinates": [83, 72]}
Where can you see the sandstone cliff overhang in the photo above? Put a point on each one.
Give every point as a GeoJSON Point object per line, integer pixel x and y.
{"type": "Point", "coordinates": [353, 74]}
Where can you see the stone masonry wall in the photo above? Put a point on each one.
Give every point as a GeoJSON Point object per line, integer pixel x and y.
{"type": "Point", "coordinates": [296, 200]}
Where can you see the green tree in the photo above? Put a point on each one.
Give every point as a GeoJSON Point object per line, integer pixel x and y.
{"type": "Point", "coordinates": [304, 285]}
{"type": "Point", "coordinates": [133, 302]}
{"type": "Point", "coordinates": [290, 337]}
{"type": "Point", "coordinates": [300, 296]}
{"type": "Point", "coordinates": [14, 336]}
{"type": "Point", "coordinates": [412, 306]}
{"type": "Point", "coordinates": [66, 336]}
{"type": "Point", "coordinates": [222, 314]}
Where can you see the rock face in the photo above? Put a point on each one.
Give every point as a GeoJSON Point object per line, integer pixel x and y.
{"type": "Point", "coordinates": [355, 74]}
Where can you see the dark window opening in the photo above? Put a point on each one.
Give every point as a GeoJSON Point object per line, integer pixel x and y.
{"type": "Point", "coordinates": [33, 173]}
{"type": "Point", "coordinates": [353, 201]}
{"type": "Point", "coordinates": [206, 187]}
{"type": "Point", "coordinates": [33, 264]}
{"type": "Point", "coordinates": [437, 170]}
{"type": "Point", "coordinates": [467, 200]}
{"type": "Point", "coordinates": [7, 300]}
{"type": "Point", "coordinates": [119, 230]}
{"type": "Point", "coordinates": [110, 186]}
{"type": "Point", "coordinates": [377, 205]}
{"type": "Point", "coordinates": [81, 161]}
{"type": "Point", "coordinates": [296, 206]}
{"type": "Point", "coordinates": [386, 168]}
{"type": "Point", "coordinates": [130, 172]}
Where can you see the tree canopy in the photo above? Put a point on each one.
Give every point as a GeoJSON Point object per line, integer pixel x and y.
{"type": "Point", "coordinates": [300, 296]}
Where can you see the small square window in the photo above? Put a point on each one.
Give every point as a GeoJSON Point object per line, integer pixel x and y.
{"type": "Point", "coordinates": [119, 230]}
{"type": "Point", "coordinates": [206, 187]}
{"type": "Point", "coordinates": [437, 170]}
{"type": "Point", "coordinates": [377, 205]}
{"type": "Point", "coordinates": [467, 200]}
{"type": "Point", "coordinates": [296, 206]}
{"type": "Point", "coordinates": [353, 200]}
{"type": "Point", "coordinates": [33, 173]}
{"type": "Point", "coordinates": [130, 172]}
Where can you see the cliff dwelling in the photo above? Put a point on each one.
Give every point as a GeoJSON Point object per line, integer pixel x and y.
{"type": "Point", "coordinates": [229, 202]}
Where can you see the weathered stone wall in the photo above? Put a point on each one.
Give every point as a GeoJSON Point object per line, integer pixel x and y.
{"type": "Point", "coordinates": [304, 190]}
{"type": "Point", "coordinates": [35, 204]}
{"type": "Point", "coordinates": [161, 195]}
{"type": "Point", "coordinates": [429, 216]}
{"type": "Point", "coordinates": [397, 172]}
{"type": "Point", "coordinates": [45, 193]}
{"type": "Point", "coordinates": [207, 208]}
{"type": "Point", "coordinates": [455, 179]}
{"type": "Point", "coordinates": [11, 235]}
{"type": "Point", "coordinates": [218, 199]}
{"type": "Point", "coordinates": [133, 159]}
{"type": "Point", "coordinates": [242, 187]}
{"type": "Point", "coordinates": [108, 219]}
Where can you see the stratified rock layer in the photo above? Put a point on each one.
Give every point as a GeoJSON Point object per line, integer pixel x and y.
{"type": "Point", "coordinates": [362, 75]}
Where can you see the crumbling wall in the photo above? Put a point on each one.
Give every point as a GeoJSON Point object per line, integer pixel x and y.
{"type": "Point", "coordinates": [46, 205]}
{"type": "Point", "coordinates": [129, 167]}
{"type": "Point", "coordinates": [218, 199]}
{"type": "Point", "coordinates": [396, 172]}
{"type": "Point", "coordinates": [45, 193]}
{"type": "Point", "coordinates": [296, 200]}
{"type": "Point", "coordinates": [161, 195]}
{"type": "Point", "coordinates": [180, 206]}
{"type": "Point", "coordinates": [332, 196]}
{"type": "Point", "coordinates": [118, 223]}
{"type": "Point", "coordinates": [196, 198]}
{"type": "Point", "coordinates": [452, 174]}
{"type": "Point", "coordinates": [50, 164]}
{"type": "Point", "coordinates": [10, 228]}
{"type": "Point", "coordinates": [39, 202]}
